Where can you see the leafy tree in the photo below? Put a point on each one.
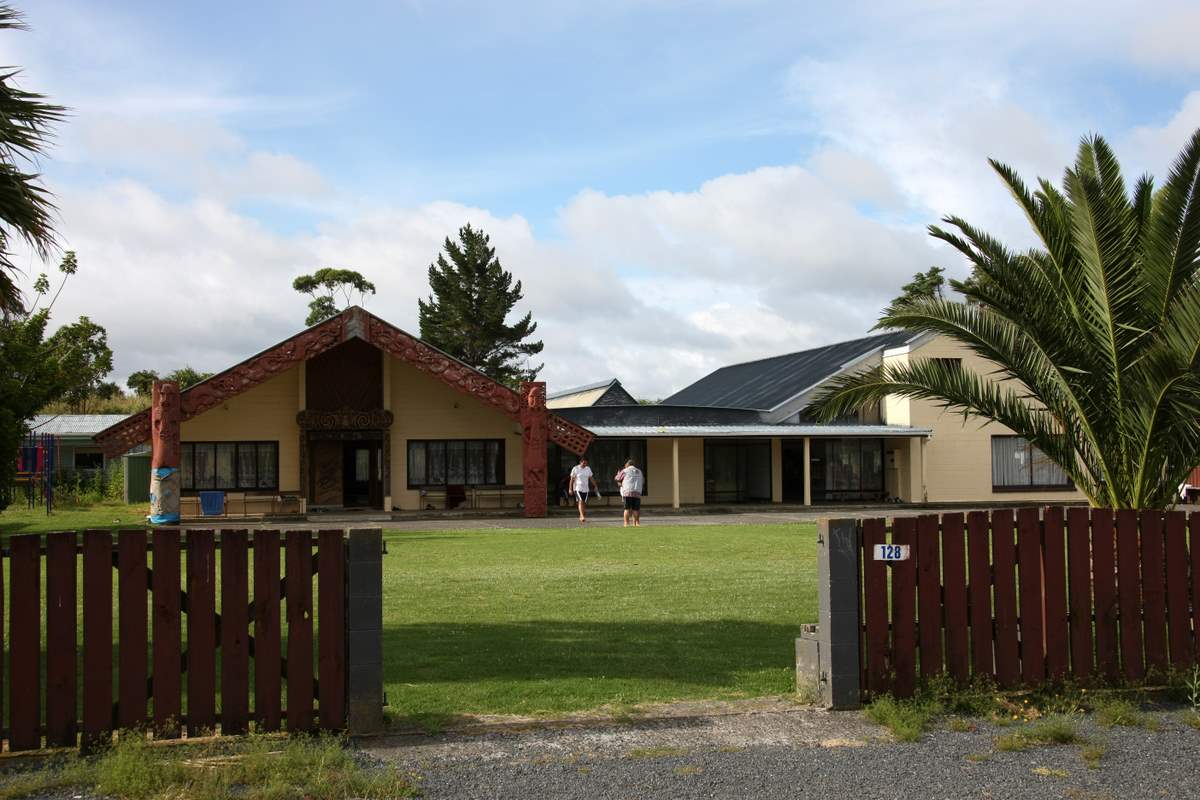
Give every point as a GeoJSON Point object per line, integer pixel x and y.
{"type": "Point", "coordinates": [1095, 335]}
{"type": "Point", "coordinates": [84, 359]}
{"type": "Point", "coordinates": [924, 286]}
{"type": "Point", "coordinates": [325, 286]}
{"type": "Point", "coordinates": [28, 379]}
{"type": "Point", "coordinates": [141, 382]}
{"type": "Point", "coordinates": [186, 376]}
{"type": "Point", "coordinates": [472, 295]}
{"type": "Point", "coordinates": [26, 211]}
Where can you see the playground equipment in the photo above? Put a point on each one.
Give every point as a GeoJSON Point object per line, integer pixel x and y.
{"type": "Point", "coordinates": [37, 461]}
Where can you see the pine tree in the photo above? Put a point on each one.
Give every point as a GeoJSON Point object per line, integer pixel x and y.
{"type": "Point", "coordinates": [471, 296]}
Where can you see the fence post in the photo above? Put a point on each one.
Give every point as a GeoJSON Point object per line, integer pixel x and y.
{"type": "Point", "coordinates": [838, 626]}
{"type": "Point", "coordinates": [364, 632]}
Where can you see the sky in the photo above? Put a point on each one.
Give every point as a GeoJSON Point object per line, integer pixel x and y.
{"type": "Point", "coordinates": [678, 185]}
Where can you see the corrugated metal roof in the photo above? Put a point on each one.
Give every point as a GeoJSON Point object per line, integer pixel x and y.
{"type": "Point", "coordinates": [74, 424]}
{"type": "Point", "coordinates": [768, 382]}
{"type": "Point", "coordinates": [578, 389]}
{"type": "Point", "coordinates": [734, 431]}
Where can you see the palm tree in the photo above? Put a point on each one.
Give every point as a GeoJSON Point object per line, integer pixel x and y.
{"type": "Point", "coordinates": [25, 207]}
{"type": "Point", "coordinates": [1095, 335]}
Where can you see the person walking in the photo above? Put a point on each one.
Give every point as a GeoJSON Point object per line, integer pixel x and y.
{"type": "Point", "coordinates": [582, 482]}
{"type": "Point", "coordinates": [632, 484]}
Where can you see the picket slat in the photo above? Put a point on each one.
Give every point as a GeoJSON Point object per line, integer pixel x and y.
{"type": "Point", "coordinates": [300, 631]}
{"type": "Point", "coordinates": [202, 632]}
{"type": "Point", "coordinates": [267, 642]}
{"type": "Point", "coordinates": [167, 633]}
{"type": "Point", "coordinates": [1104, 574]}
{"type": "Point", "coordinates": [25, 643]}
{"type": "Point", "coordinates": [1129, 595]}
{"type": "Point", "coordinates": [980, 590]}
{"type": "Point", "coordinates": [1080, 588]}
{"type": "Point", "coordinates": [904, 610]}
{"type": "Point", "coordinates": [235, 645]}
{"type": "Point", "coordinates": [1032, 612]}
{"type": "Point", "coordinates": [97, 637]}
{"type": "Point", "coordinates": [875, 606]}
{"type": "Point", "coordinates": [1008, 664]}
{"type": "Point", "coordinates": [1154, 590]}
{"type": "Point", "coordinates": [929, 594]}
{"type": "Point", "coordinates": [61, 632]}
{"type": "Point", "coordinates": [131, 629]}
{"type": "Point", "coordinates": [1055, 567]}
{"type": "Point", "coordinates": [1194, 557]}
{"type": "Point", "coordinates": [955, 597]}
{"type": "Point", "coordinates": [1178, 622]}
{"type": "Point", "coordinates": [331, 633]}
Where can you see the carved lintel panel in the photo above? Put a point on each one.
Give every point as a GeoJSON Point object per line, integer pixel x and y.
{"type": "Point", "coordinates": [346, 419]}
{"type": "Point", "coordinates": [570, 436]}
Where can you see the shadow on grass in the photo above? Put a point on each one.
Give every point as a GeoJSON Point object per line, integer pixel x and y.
{"type": "Point", "coordinates": [718, 653]}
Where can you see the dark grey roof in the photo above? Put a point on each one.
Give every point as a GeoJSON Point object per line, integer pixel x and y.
{"type": "Point", "coordinates": [658, 414]}
{"type": "Point", "coordinates": [768, 382]}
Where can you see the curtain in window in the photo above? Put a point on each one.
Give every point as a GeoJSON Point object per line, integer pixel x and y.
{"type": "Point", "coordinates": [267, 458]}
{"type": "Point", "coordinates": [1010, 461]}
{"type": "Point", "coordinates": [247, 466]}
{"type": "Point", "coordinates": [205, 466]}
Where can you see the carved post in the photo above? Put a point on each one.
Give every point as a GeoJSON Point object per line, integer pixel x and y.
{"type": "Point", "coordinates": [535, 432]}
{"type": "Point", "coordinates": [166, 413]}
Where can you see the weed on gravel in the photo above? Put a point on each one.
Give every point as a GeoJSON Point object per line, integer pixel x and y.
{"type": "Point", "coordinates": [1118, 712]}
{"type": "Point", "coordinates": [1093, 753]}
{"type": "Point", "coordinates": [657, 752]}
{"type": "Point", "coordinates": [1051, 731]}
{"type": "Point", "coordinates": [254, 768]}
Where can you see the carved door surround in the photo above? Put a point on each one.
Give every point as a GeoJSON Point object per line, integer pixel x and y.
{"type": "Point", "coordinates": [345, 425]}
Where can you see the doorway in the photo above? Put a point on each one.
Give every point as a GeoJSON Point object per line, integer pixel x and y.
{"type": "Point", "coordinates": [362, 479]}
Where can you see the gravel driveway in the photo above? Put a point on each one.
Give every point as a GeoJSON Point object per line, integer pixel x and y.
{"type": "Point", "coordinates": [777, 751]}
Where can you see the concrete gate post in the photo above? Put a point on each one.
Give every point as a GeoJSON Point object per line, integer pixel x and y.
{"type": "Point", "coordinates": [535, 423]}
{"type": "Point", "coordinates": [364, 632]}
{"type": "Point", "coordinates": [829, 655]}
{"type": "Point", "coordinates": [166, 415]}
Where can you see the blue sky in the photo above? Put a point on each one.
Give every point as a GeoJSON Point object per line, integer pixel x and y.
{"type": "Point", "coordinates": [678, 184]}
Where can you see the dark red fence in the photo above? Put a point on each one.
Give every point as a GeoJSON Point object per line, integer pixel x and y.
{"type": "Point", "coordinates": [1030, 595]}
{"type": "Point", "coordinates": [154, 670]}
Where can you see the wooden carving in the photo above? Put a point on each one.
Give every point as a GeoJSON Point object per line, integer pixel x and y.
{"type": "Point", "coordinates": [533, 455]}
{"type": "Point", "coordinates": [345, 419]}
{"type": "Point", "coordinates": [165, 417]}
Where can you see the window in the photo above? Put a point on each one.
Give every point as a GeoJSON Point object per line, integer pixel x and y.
{"type": "Point", "coordinates": [229, 466]}
{"type": "Point", "coordinates": [847, 470]}
{"type": "Point", "coordinates": [1017, 465]}
{"type": "Point", "coordinates": [456, 462]}
{"type": "Point", "coordinates": [89, 460]}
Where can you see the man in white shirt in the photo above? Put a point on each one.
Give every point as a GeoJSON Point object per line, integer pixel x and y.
{"type": "Point", "coordinates": [582, 483]}
{"type": "Point", "coordinates": [633, 483]}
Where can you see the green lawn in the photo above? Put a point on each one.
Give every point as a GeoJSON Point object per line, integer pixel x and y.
{"type": "Point", "coordinates": [545, 621]}
{"type": "Point", "coordinates": [19, 518]}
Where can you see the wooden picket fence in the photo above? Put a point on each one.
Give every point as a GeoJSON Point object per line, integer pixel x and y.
{"type": "Point", "coordinates": [154, 672]}
{"type": "Point", "coordinates": [1030, 597]}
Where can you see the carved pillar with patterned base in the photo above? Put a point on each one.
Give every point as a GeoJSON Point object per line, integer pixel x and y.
{"type": "Point", "coordinates": [166, 414]}
{"type": "Point", "coordinates": [535, 423]}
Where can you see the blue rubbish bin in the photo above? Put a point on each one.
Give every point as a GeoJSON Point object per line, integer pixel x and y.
{"type": "Point", "coordinates": [212, 504]}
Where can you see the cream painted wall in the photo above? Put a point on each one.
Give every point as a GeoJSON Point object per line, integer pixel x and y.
{"type": "Point", "coordinates": [658, 471]}
{"type": "Point", "coordinates": [426, 408]}
{"type": "Point", "coordinates": [266, 413]}
{"type": "Point", "coordinates": [958, 457]}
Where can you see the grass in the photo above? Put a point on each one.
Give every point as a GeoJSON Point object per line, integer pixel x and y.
{"type": "Point", "coordinates": [19, 518]}
{"type": "Point", "coordinates": [256, 768]}
{"type": "Point", "coordinates": [657, 752]}
{"type": "Point", "coordinates": [553, 621]}
{"type": "Point", "coordinates": [906, 719]}
{"type": "Point", "coordinates": [1093, 753]}
{"type": "Point", "coordinates": [1119, 712]}
{"type": "Point", "coordinates": [1050, 731]}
